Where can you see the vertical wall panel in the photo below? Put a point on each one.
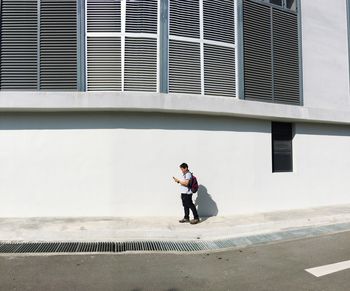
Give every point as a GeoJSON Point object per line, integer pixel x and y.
{"type": "Point", "coordinates": [104, 52]}
{"type": "Point", "coordinates": [286, 57]}
{"type": "Point", "coordinates": [271, 54]}
{"type": "Point", "coordinates": [58, 45]}
{"type": "Point", "coordinates": [19, 45]}
{"type": "Point", "coordinates": [103, 15]}
{"type": "Point", "coordinates": [257, 52]}
{"type": "Point", "coordinates": [184, 18]}
{"type": "Point", "coordinates": [218, 18]}
{"type": "Point", "coordinates": [219, 70]}
{"type": "Point", "coordinates": [141, 16]}
{"type": "Point", "coordinates": [104, 64]}
{"type": "Point", "coordinates": [140, 64]}
{"type": "Point", "coordinates": [184, 67]}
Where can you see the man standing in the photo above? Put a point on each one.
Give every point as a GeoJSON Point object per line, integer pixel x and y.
{"type": "Point", "coordinates": [186, 195]}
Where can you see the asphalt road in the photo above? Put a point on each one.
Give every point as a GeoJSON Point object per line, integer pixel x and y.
{"type": "Point", "coordinates": [279, 266]}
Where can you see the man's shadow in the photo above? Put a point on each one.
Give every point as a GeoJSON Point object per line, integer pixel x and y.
{"type": "Point", "coordinates": [206, 206]}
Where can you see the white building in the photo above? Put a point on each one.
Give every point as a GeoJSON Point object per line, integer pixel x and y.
{"type": "Point", "coordinates": [102, 100]}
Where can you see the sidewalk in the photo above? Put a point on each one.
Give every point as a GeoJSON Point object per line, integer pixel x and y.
{"type": "Point", "coordinates": [167, 228]}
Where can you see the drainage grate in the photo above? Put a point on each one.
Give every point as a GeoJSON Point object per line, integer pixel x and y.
{"type": "Point", "coordinates": [104, 247]}
{"type": "Point", "coordinates": [169, 246]}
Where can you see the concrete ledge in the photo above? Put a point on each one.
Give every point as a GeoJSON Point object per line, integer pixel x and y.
{"type": "Point", "coordinates": [16, 101]}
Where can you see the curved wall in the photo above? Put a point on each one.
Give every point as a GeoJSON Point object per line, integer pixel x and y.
{"type": "Point", "coordinates": [121, 164]}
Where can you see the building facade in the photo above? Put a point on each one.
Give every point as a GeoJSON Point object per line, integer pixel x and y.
{"type": "Point", "coordinates": [102, 100]}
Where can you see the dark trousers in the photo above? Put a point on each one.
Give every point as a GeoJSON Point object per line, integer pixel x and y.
{"type": "Point", "coordinates": [188, 204]}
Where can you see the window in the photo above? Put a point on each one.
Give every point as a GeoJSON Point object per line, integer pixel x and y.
{"type": "Point", "coordinates": [291, 4]}
{"type": "Point", "coordinates": [271, 53]}
{"type": "Point", "coordinates": [286, 4]}
{"type": "Point", "coordinates": [277, 2]}
{"type": "Point", "coordinates": [282, 152]}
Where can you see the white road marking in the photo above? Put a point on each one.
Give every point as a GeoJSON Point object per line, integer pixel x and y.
{"type": "Point", "coordinates": [329, 269]}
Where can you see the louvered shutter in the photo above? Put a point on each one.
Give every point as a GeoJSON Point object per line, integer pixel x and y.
{"type": "Point", "coordinates": [184, 67]}
{"type": "Point", "coordinates": [104, 68]}
{"type": "Point", "coordinates": [184, 18]}
{"type": "Point", "coordinates": [58, 45]}
{"type": "Point", "coordinates": [219, 59]}
{"type": "Point", "coordinates": [184, 56]}
{"type": "Point", "coordinates": [103, 16]}
{"type": "Point", "coordinates": [140, 64]}
{"type": "Point", "coordinates": [105, 53]}
{"type": "Point", "coordinates": [141, 16]}
{"type": "Point", "coordinates": [104, 64]}
{"type": "Point", "coordinates": [257, 52]}
{"type": "Point", "coordinates": [19, 62]}
{"type": "Point", "coordinates": [219, 70]}
{"type": "Point", "coordinates": [218, 20]}
{"type": "Point", "coordinates": [141, 53]}
{"type": "Point", "coordinates": [285, 57]}
{"type": "Point", "coordinates": [271, 54]}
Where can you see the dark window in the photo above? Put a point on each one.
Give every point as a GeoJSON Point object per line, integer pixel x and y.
{"type": "Point", "coordinates": [291, 4]}
{"type": "Point", "coordinates": [282, 152]}
{"type": "Point", "coordinates": [276, 2]}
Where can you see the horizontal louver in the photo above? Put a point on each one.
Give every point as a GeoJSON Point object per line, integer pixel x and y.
{"type": "Point", "coordinates": [257, 52]}
{"type": "Point", "coordinates": [103, 15]}
{"type": "Point", "coordinates": [19, 45]}
{"type": "Point", "coordinates": [285, 57]}
{"type": "Point", "coordinates": [184, 67]}
{"type": "Point", "coordinates": [58, 45]}
{"type": "Point", "coordinates": [218, 20]}
{"type": "Point", "coordinates": [140, 64]}
{"type": "Point", "coordinates": [104, 64]}
{"type": "Point", "coordinates": [219, 70]}
{"type": "Point", "coordinates": [142, 16]}
{"type": "Point", "coordinates": [184, 18]}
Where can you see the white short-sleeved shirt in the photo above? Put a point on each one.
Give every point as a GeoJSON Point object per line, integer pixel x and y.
{"type": "Point", "coordinates": [185, 189]}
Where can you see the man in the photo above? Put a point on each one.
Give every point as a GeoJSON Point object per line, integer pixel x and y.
{"type": "Point", "coordinates": [186, 195]}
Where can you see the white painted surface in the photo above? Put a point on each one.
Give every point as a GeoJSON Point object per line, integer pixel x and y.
{"type": "Point", "coordinates": [329, 269]}
{"type": "Point", "coordinates": [325, 54]}
{"type": "Point", "coordinates": [121, 164]}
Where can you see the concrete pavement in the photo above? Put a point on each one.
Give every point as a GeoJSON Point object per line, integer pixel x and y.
{"type": "Point", "coordinates": [167, 228]}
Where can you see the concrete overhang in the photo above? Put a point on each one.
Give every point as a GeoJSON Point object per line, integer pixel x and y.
{"type": "Point", "coordinates": [34, 101]}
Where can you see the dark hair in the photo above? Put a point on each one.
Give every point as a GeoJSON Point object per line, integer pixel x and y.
{"type": "Point", "coordinates": [184, 166]}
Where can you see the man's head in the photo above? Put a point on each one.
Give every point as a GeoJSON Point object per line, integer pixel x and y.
{"type": "Point", "coordinates": [184, 168]}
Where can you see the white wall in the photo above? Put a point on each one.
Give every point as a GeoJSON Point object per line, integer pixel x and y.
{"type": "Point", "coordinates": [325, 54]}
{"type": "Point", "coordinates": [121, 164]}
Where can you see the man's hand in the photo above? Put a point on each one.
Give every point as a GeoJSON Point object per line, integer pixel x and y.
{"type": "Point", "coordinates": [176, 180]}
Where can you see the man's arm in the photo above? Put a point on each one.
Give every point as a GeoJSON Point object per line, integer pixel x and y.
{"type": "Point", "coordinates": [183, 182]}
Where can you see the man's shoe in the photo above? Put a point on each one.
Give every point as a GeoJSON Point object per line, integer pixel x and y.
{"type": "Point", "coordinates": [194, 221]}
{"type": "Point", "coordinates": [184, 220]}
